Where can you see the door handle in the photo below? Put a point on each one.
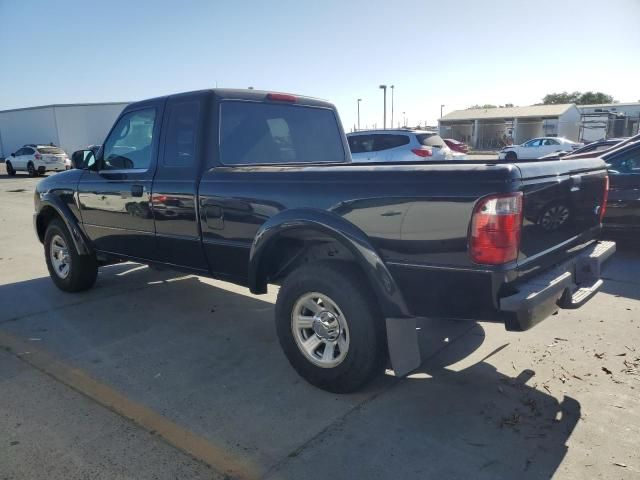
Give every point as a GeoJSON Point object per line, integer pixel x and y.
{"type": "Point", "coordinates": [137, 190]}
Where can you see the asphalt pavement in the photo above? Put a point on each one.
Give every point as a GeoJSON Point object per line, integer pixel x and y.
{"type": "Point", "coordinates": [160, 375]}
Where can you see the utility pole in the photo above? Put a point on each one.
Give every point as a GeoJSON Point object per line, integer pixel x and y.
{"type": "Point", "coordinates": [441, 107]}
{"type": "Point", "coordinates": [392, 87]}
{"type": "Point", "coordinates": [359, 100]}
{"type": "Point", "coordinates": [384, 117]}
{"type": "Point", "coordinates": [404, 119]}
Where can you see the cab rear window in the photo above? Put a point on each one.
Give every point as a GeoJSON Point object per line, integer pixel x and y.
{"type": "Point", "coordinates": [264, 133]}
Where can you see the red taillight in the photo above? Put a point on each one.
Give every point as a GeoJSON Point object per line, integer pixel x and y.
{"type": "Point", "coordinates": [422, 152]}
{"type": "Point", "coordinates": [605, 198]}
{"type": "Point", "coordinates": [281, 97]}
{"type": "Point", "coordinates": [494, 236]}
{"type": "Point", "coordinates": [38, 156]}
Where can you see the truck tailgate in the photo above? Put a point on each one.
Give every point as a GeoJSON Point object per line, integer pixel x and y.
{"type": "Point", "coordinates": [562, 205]}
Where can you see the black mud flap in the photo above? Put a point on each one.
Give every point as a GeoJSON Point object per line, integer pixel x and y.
{"type": "Point", "coordinates": [402, 340]}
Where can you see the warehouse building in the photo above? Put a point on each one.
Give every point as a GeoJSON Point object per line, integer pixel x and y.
{"type": "Point", "coordinates": [492, 128]}
{"type": "Point", "coordinates": [70, 127]}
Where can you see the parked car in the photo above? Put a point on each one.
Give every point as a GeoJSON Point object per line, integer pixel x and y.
{"type": "Point", "coordinates": [593, 147]}
{"type": "Point", "coordinates": [591, 154]}
{"type": "Point", "coordinates": [536, 148]}
{"type": "Point", "coordinates": [623, 206]}
{"type": "Point", "coordinates": [36, 160]}
{"type": "Point", "coordinates": [456, 145]}
{"type": "Point", "coordinates": [397, 145]}
{"type": "Point", "coordinates": [258, 188]}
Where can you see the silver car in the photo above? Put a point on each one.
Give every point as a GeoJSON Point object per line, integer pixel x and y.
{"type": "Point", "coordinates": [401, 145]}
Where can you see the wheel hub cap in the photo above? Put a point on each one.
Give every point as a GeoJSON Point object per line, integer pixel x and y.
{"type": "Point", "coordinates": [320, 330]}
{"type": "Point", "coordinates": [325, 325]}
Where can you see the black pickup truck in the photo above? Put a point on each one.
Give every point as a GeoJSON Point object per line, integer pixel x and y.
{"type": "Point", "coordinates": [258, 188]}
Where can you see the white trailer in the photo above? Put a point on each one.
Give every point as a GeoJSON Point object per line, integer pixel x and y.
{"type": "Point", "coordinates": [70, 127]}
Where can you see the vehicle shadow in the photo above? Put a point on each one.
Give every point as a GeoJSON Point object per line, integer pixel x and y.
{"type": "Point", "coordinates": [620, 273]}
{"type": "Point", "coordinates": [206, 356]}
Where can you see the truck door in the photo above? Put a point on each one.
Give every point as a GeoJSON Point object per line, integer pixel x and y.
{"type": "Point", "coordinates": [175, 185]}
{"type": "Point", "coordinates": [115, 198]}
{"type": "Point", "coordinates": [623, 207]}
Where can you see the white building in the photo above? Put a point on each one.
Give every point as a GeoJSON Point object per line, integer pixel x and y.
{"type": "Point", "coordinates": [490, 128]}
{"type": "Point", "coordinates": [70, 127]}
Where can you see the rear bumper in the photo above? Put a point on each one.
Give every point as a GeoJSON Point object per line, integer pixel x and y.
{"type": "Point", "coordinates": [569, 285]}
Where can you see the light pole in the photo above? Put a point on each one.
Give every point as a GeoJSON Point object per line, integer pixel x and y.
{"type": "Point", "coordinates": [404, 119]}
{"type": "Point", "coordinates": [359, 100]}
{"type": "Point", "coordinates": [392, 87]}
{"type": "Point", "coordinates": [384, 117]}
{"type": "Point", "coordinates": [441, 107]}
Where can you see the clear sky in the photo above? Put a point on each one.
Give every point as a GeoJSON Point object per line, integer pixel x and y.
{"type": "Point", "coordinates": [457, 52]}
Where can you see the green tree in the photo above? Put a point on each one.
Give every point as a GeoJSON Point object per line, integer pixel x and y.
{"type": "Point", "coordinates": [579, 98]}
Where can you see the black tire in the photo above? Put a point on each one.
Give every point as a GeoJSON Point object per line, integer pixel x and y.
{"type": "Point", "coordinates": [32, 170]}
{"type": "Point", "coordinates": [511, 157]}
{"type": "Point", "coordinates": [10, 170]}
{"type": "Point", "coordinates": [83, 269]}
{"type": "Point", "coordinates": [347, 287]}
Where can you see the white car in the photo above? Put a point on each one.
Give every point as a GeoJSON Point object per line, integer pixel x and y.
{"type": "Point", "coordinates": [537, 147]}
{"type": "Point", "coordinates": [401, 145]}
{"type": "Point", "coordinates": [37, 159]}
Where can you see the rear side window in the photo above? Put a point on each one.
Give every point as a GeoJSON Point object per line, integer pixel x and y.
{"type": "Point", "coordinates": [182, 129]}
{"type": "Point", "coordinates": [50, 150]}
{"type": "Point", "coordinates": [384, 141]}
{"type": "Point", "coordinates": [264, 133]}
{"type": "Point", "coordinates": [360, 143]}
{"type": "Point", "coordinates": [430, 139]}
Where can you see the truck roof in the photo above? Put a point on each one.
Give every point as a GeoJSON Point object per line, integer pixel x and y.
{"type": "Point", "coordinates": [248, 94]}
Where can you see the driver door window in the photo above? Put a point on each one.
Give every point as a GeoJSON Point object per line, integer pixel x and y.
{"type": "Point", "coordinates": [129, 145]}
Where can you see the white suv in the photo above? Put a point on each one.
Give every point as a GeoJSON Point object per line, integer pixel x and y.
{"type": "Point", "coordinates": [37, 159]}
{"type": "Point", "coordinates": [402, 145]}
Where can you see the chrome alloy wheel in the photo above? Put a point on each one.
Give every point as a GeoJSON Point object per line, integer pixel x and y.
{"type": "Point", "coordinates": [60, 257]}
{"type": "Point", "coordinates": [320, 330]}
{"type": "Point", "coordinates": [554, 218]}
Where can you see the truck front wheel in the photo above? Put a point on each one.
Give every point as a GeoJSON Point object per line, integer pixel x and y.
{"type": "Point", "coordinates": [70, 271]}
{"type": "Point", "coordinates": [330, 327]}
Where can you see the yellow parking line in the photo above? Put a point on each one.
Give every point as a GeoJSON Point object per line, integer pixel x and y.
{"type": "Point", "coordinates": [194, 445]}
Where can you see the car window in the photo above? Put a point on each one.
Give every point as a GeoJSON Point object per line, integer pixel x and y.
{"type": "Point", "coordinates": [430, 139]}
{"type": "Point", "coordinates": [28, 151]}
{"type": "Point", "coordinates": [50, 150]}
{"type": "Point", "coordinates": [628, 162]}
{"type": "Point", "coordinates": [384, 141]}
{"type": "Point", "coordinates": [19, 152]}
{"type": "Point", "coordinates": [360, 143]}
{"type": "Point", "coordinates": [129, 144]}
{"type": "Point", "coordinates": [265, 133]}
{"type": "Point", "coordinates": [182, 129]}
{"type": "Point", "coordinates": [550, 141]}
{"type": "Point", "coordinates": [533, 143]}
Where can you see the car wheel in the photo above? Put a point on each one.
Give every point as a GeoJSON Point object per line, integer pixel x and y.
{"type": "Point", "coordinates": [554, 217]}
{"type": "Point", "coordinates": [70, 271]}
{"type": "Point", "coordinates": [32, 170]}
{"type": "Point", "coordinates": [330, 327]}
{"type": "Point", "coordinates": [10, 170]}
{"type": "Point", "coordinates": [511, 156]}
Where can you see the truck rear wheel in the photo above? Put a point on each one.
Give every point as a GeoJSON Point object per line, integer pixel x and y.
{"type": "Point", "coordinates": [330, 327]}
{"type": "Point", "coordinates": [70, 271]}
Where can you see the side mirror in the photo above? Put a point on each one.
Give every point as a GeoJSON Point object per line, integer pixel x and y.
{"type": "Point", "coordinates": [83, 159]}
{"type": "Point", "coordinates": [13, 154]}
